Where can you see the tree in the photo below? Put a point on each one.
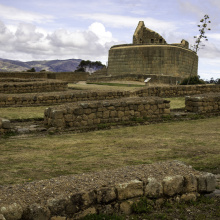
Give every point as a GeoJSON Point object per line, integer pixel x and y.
{"type": "Point", "coordinates": [31, 70]}
{"type": "Point", "coordinates": [89, 66]}
{"type": "Point", "coordinates": [203, 27]}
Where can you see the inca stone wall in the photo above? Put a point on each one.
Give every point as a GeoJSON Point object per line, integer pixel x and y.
{"type": "Point", "coordinates": [8, 85]}
{"type": "Point", "coordinates": [150, 54]}
{"type": "Point", "coordinates": [64, 76]}
{"type": "Point", "coordinates": [35, 99]}
{"type": "Point", "coordinates": [110, 192]}
{"type": "Point", "coordinates": [101, 112]}
{"type": "Point", "coordinates": [204, 103]}
{"type": "Point", "coordinates": [152, 59]}
{"type": "Point", "coordinates": [176, 91]}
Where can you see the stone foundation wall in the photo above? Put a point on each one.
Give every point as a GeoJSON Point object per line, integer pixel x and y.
{"type": "Point", "coordinates": [175, 91]}
{"type": "Point", "coordinates": [109, 192]}
{"type": "Point", "coordinates": [157, 79]}
{"type": "Point", "coordinates": [98, 112]}
{"type": "Point", "coordinates": [152, 59]}
{"type": "Point", "coordinates": [64, 76]}
{"type": "Point", "coordinates": [30, 86]}
{"type": "Point", "coordinates": [205, 103]}
{"type": "Point", "coordinates": [76, 96]}
{"type": "Point", "coordinates": [53, 98]}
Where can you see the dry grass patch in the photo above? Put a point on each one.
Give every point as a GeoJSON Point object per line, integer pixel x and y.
{"type": "Point", "coordinates": [105, 87]}
{"type": "Point", "coordinates": [194, 142]}
{"type": "Point", "coordinates": [176, 102]}
{"type": "Point", "coordinates": [22, 112]}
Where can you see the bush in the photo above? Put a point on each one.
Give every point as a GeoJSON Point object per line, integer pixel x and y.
{"type": "Point", "coordinates": [31, 70]}
{"type": "Point", "coordinates": [193, 80]}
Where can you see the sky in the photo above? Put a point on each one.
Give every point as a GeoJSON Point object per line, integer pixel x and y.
{"type": "Point", "coordinates": [86, 29]}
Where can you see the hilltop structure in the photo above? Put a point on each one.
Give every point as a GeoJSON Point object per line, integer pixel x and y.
{"type": "Point", "coordinates": [151, 55]}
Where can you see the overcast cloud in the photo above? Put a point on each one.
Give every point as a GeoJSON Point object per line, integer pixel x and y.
{"type": "Point", "coordinates": [86, 29]}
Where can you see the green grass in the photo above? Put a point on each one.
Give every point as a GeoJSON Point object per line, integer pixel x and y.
{"type": "Point", "coordinates": [118, 84]}
{"type": "Point", "coordinates": [35, 158]}
{"type": "Point", "coordinates": [22, 112]}
{"type": "Point", "coordinates": [176, 102]}
{"type": "Point", "coordinates": [38, 111]}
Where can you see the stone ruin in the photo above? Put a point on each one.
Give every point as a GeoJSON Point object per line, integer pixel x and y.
{"type": "Point", "coordinates": [150, 55]}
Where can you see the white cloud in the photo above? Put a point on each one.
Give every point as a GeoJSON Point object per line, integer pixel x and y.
{"type": "Point", "coordinates": [30, 42]}
{"type": "Point", "coordinates": [120, 21]}
{"type": "Point", "coordinates": [189, 7]}
{"type": "Point", "coordinates": [11, 13]}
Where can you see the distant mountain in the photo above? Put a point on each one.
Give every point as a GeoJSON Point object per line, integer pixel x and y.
{"type": "Point", "coordinates": [69, 65]}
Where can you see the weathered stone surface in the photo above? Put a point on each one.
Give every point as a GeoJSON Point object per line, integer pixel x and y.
{"type": "Point", "coordinates": [125, 207]}
{"type": "Point", "coordinates": [206, 182]}
{"type": "Point", "coordinates": [36, 212]}
{"type": "Point", "coordinates": [2, 217]}
{"type": "Point", "coordinates": [58, 218]}
{"type": "Point", "coordinates": [11, 212]}
{"type": "Point", "coordinates": [5, 123]}
{"type": "Point", "coordinates": [129, 190]}
{"type": "Point", "coordinates": [153, 188]}
{"type": "Point", "coordinates": [58, 205]}
{"type": "Point", "coordinates": [82, 214]}
{"type": "Point", "coordinates": [190, 183]}
{"type": "Point", "coordinates": [106, 195]}
{"type": "Point", "coordinates": [189, 197]}
{"type": "Point", "coordinates": [173, 185]}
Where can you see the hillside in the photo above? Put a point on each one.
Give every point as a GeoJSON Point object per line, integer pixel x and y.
{"type": "Point", "coordinates": [69, 65]}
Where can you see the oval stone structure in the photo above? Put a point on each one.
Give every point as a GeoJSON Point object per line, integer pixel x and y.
{"type": "Point", "coordinates": [150, 54]}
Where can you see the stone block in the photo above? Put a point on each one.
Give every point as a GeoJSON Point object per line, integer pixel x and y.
{"type": "Point", "coordinates": [57, 114]}
{"type": "Point", "coordinates": [189, 197]}
{"type": "Point", "coordinates": [12, 211]}
{"type": "Point", "coordinates": [2, 217]}
{"type": "Point", "coordinates": [5, 123]}
{"type": "Point", "coordinates": [190, 183]}
{"type": "Point", "coordinates": [83, 213]}
{"type": "Point", "coordinates": [36, 212]}
{"type": "Point", "coordinates": [125, 207]}
{"type": "Point", "coordinates": [173, 185]}
{"type": "Point", "coordinates": [106, 195]}
{"type": "Point", "coordinates": [153, 188]}
{"type": "Point", "coordinates": [129, 190]}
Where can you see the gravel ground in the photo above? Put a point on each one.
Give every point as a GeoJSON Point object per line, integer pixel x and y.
{"type": "Point", "coordinates": [41, 191]}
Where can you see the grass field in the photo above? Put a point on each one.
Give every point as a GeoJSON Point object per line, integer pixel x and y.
{"type": "Point", "coordinates": [33, 158]}
{"type": "Point", "coordinates": [38, 111]}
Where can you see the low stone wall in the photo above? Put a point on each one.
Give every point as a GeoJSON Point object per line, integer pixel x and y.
{"type": "Point", "coordinates": [205, 103]}
{"type": "Point", "coordinates": [68, 76]}
{"type": "Point", "coordinates": [64, 76]}
{"type": "Point", "coordinates": [109, 191]}
{"type": "Point", "coordinates": [170, 80]}
{"type": "Point", "coordinates": [76, 95]}
{"type": "Point", "coordinates": [175, 91]}
{"type": "Point", "coordinates": [98, 112]}
{"type": "Point", "coordinates": [53, 98]}
{"type": "Point", "coordinates": [5, 125]}
{"type": "Point", "coordinates": [8, 85]}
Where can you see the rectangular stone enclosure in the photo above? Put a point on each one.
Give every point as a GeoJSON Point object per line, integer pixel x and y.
{"type": "Point", "coordinates": [204, 103]}
{"type": "Point", "coordinates": [105, 111]}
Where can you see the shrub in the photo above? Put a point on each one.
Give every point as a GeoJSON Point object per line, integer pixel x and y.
{"type": "Point", "coordinates": [192, 80]}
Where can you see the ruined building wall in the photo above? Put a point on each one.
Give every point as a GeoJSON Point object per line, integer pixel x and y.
{"type": "Point", "coordinates": [150, 54]}
{"type": "Point", "coordinates": [152, 59]}
{"type": "Point", "coordinates": [144, 35]}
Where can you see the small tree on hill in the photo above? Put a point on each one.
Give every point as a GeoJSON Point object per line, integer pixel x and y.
{"type": "Point", "coordinates": [87, 66]}
{"type": "Point", "coordinates": [31, 70]}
